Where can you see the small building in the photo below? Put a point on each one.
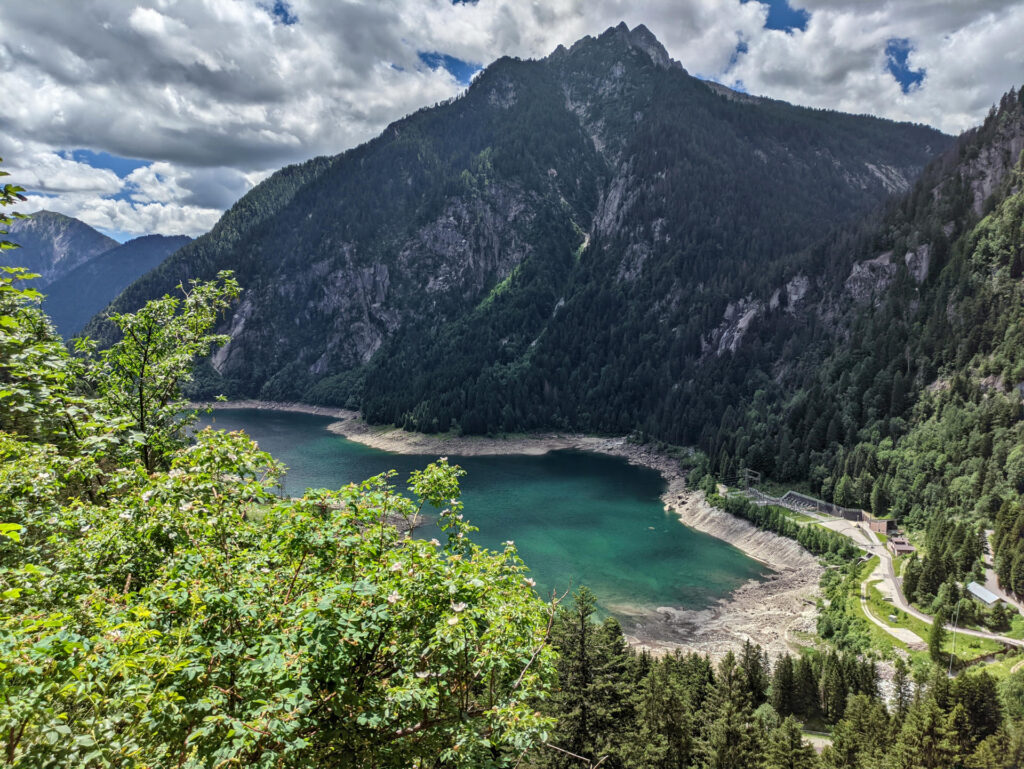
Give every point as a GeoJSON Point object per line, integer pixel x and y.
{"type": "Point", "coordinates": [983, 594]}
{"type": "Point", "coordinates": [899, 546]}
{"type": "Point", "coordinates": [880, 525]}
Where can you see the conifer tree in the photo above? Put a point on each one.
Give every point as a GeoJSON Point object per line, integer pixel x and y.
{"type": "Point", "coordinates": [665, 716]}
{"type": "Point", "coordinates": [729, 740]}
{"type": "Point", "coordinates": [755, 676]}
{"type": "Point", "coordinates": [572, 635]}
{"type": "Point", "coordinates": [806, 701]}
{"type": "Point", "coordinates": [861, 737]}
{"type": "Point", "coordinates": [786, 748]}
{"type": "Point", "coordinates": [783, 687]}
{"type": "Point", "coordinates": [937, 637]}
{"type": "Point", "coordinates": [924, 741]}
{"type": "Point", "coordinates": [902, 691]}
{"type": "Point", "coordinates": [832, 689]}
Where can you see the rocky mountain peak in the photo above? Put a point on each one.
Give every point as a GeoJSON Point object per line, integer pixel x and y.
{"type": "Point", "coordinates": [52, 244]}
{"type": "Point", "coordinates": [640, 38]}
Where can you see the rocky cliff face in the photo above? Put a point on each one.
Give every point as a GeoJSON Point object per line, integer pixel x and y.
{"type": "Point", "coordinates": [563, 223]}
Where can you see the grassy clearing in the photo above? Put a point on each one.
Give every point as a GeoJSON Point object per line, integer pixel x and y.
{"type": "Point", "coordinates": [1002, 667]}
{"type": "Point", "coordinates": [798, 517]}
{"type": "Point", "coordinates": [966, 647]}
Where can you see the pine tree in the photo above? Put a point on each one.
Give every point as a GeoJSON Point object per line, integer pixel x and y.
{"type": "Point", "coordinates": [783, 687]}
{"type": "Point", "coordinates": [665, 715]}
{"type": "Point", "coordinates": [924, 741]}
{"type": "Point", "coordinates": [755, 677]}
{"type": "Point", "coordinates": [832, 693]}
{"type": "Point", "coordinates": [612, 713]}
{"type": "Point", "coordinates": [959, 726]}
{"type": "Point", "coordinates": [729, 740]}
{"type": "Point", "coordinates": [806, 704]}
{"type": "Point", "coordinates": [786, 748]}
{"type": "Point", "coordinates": [902, 690]}
{"type": "Point", "coordinates": [879, 500]}
{"type": "Point", "coordinates": [572, 635]}
{"type": "Point", "coordinates": [860, 739]}
{"type": "Point", "coordinates": [937, 637]}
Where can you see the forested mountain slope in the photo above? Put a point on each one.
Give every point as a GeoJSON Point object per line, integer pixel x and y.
{"type": "Point", "coordinates": [51, 245]}
{"type": "Point", "coordinates": [74, 298]}
{"type": "Point", "coordinates": [555, 247]}
{"type": "Point", "coordinates": [893, 382]}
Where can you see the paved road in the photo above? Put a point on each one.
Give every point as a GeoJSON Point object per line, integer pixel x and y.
{"type": "Point", "coordinates": [903, 634]}
{"type": "Point", "coordinates": [902, 602]}
{"type": "Point", "coordinates": [866, 540]}
{"type": "Point", "coordinates": [992, 580]}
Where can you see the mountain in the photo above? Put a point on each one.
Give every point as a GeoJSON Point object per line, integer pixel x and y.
{"type": "Point", "coordinates": [74, 298]}
{"type": "Point", "coordinates": [53, 244]}
{"type": "Point", "coordinates": [557, 246]}
{"type": "Point", "coordinates": [893, 378]}
{"type": "Point", "coordinates": [889, 373]}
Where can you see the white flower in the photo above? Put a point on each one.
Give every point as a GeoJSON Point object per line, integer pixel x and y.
{"type": "Point", "coordinates": [530, 582]}
{"type": "Point", "coordinates": [146, 495]}
{"type": "Point", "coordinates": [126, 516]}
{"type": "Point", "coordinates": [397, 566]}
{"type": "Point", "coordinates": [434, 542]}
{"type": "Point", "coordinates": [422, 673]}
{"type": "Point", "coordinates": [453, 620]}
{"type": "Point", "coordinates": [458, 606]}
{"type": "Point", "coordinates": [393, 597]}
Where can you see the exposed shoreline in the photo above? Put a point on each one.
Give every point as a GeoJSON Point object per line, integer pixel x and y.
{"type": "Point", "coordinates": [764, 612]}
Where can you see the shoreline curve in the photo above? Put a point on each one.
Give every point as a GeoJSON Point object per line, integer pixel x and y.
{"type": "Point", "coordinates": [765, 612]}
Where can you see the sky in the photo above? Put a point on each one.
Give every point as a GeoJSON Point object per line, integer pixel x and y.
{"type": "Point", "coordinates": [154, 116]}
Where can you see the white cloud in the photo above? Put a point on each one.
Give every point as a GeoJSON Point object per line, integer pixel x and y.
{"type": "Point", "coordinates": [215, 94]}
{"type": "Point", "coordinates": [122, 216]}
{"type": "Point", "coordinates": [970, 54]}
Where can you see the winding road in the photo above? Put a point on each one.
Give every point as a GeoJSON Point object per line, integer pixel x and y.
{"type": "Point", "coordinates": [865, 539]}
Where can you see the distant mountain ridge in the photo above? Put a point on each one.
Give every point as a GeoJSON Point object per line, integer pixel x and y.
{"type": "Point", "coordinates": [552, 248]}
{"type": "Point", "coordinates": [73, 299]}
{"type": "Point", "coordinates": [81, 269]}
{"type": "Point", "coordinates": [53, 244]}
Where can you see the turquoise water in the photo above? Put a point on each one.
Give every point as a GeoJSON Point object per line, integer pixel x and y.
{"type": "Point", "coordinates": [576, 518]}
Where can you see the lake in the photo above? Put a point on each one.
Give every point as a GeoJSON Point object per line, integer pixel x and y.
{"type": "Point", "coordinates": [576, 518]}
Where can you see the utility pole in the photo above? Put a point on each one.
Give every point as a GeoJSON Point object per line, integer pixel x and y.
{"type": "Point", "coordinates": [952, 653]}
{"type": "Point", "coordinates": [750, 477]}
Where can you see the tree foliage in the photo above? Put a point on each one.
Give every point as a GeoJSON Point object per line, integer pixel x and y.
{"type": "Point", "coordinates": [162, 606]}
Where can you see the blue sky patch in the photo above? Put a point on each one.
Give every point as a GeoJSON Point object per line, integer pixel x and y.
{"type": "Point", "coordinates": [897, 51]}
{"type": "Point", "coordinates": [741, 48]}
{"type": "Point", "coordinates": [119, 165]}
{"type": "Point", "coordinates": [781, 15]}
{"type": "Point", "coordinates": [283, 14]}
{"type": "Point", "coordinates": [461, 70]}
